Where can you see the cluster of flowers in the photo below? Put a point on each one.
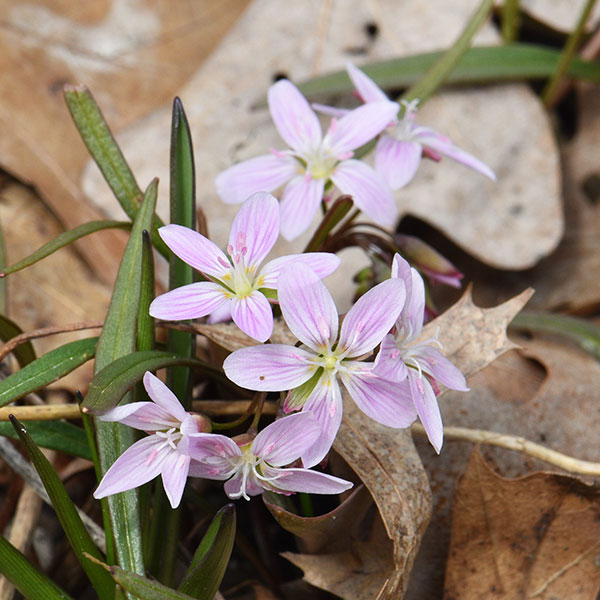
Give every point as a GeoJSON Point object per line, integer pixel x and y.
{"type": "Point", "coordinates": [399, 384]}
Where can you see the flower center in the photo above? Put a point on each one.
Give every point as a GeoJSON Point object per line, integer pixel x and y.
{"type": "Point", "coordinates": [242, 276]}
{"type": "Point", "coordinates": [171, 437]}
{"type": "Point", "coordinates": [402, 129]}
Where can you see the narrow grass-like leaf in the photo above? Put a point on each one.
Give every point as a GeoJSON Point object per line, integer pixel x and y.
{"type": "Point", "coordinates": [118, 339]}
{"type": "Point", "coordinates": [483, 64]}
{"type": "Point", "coordinates": [144, 588]}
{"type": "Point", "coordinates": [210, 561]}
{"type": "Point", "coordinates": [62, 240]}
{"type": "Point", "coordinates": [70, 521]}
{"type": "Point", "coordinates": [106, 153]}
{"type": "Point", "coordinates": [31, 582]}
{"type": "Point", "coordinates": [338, 210]}
{"type": "Point", "coordinates": [24, 353]}
{"type": "Point", "coordinates": [48, 368]}
{"type": "Point", "coordinates": [55, 435]}
{"type": "Point", "coordinates": [110, 384]}
{"type": "Point", "coordinates": [145, 323]}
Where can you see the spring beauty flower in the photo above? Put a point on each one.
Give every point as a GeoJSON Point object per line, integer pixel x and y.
{"type": "Point", "coordinates": [251, 467]}
{"type": "Point", "coordinates": [161, 453]}
{"type": "Point", "coordinates": [417, 365]}
{"type": "Point", "coordinates": [403, 143]}
{"type": "Point", "coordinates": [313, 371]}
{"type": "Point", "coordinates": [313, 161]}
{"type": "Point", "coordinates": [236, 280]}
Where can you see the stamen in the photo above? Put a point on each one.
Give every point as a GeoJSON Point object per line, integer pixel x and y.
{"type": "Point", "coordinates": [223, 262]}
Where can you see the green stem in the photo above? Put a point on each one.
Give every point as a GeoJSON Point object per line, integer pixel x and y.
{"type": "Point", "coordinates": [510, 20]}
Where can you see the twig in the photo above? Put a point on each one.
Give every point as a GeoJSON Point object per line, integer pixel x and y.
{"type": "Point", "coordinates": [43, 412]}
{"type": "Point", "coordinates": [512, 442]}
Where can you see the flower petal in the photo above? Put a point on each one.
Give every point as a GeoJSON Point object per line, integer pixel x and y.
{"type": "Point", "coordinates": [255, 228]}
{"type": "Point", "coordinates": [369, 91]}
{"type": "Point", "coordinates": [307, 307]}
{"type": "Point", "coordinates": [360, 126]}
{"type": "Point", "coordinates": [196, 250]}
{"type": "Point", "coordinates": [385, 402]}
{"type": "Point", "coordinates": [189, 301]}
{"type": "Point", "coordinates": [372, 317]}
{"type": "Point", "coordinates": [322, 263]}
{"type": "Point", "coordinates": [427, 408]}
{"type": "Point", "coordinates": [174, 475]}
{"type": "Point", "coordinates": [388, 362]}
{"type": "Point", "coordinates": [299, 204]}
{"type": "Point", "coordinates": [441, 369]}
{"type": "Point", "coordinates": [332, 111]}
{"type": "Point", "coordinates": [253, 315]}
{"type": "Point", "coordinates": [251, 487]}
{"type": "Point", "coordinates": [325, 403]}
{"type": "Point", "coordinates": [284, 441]}
{"type": "Point", "coordinates": [305, 480]}
{"type": "Point", "coordinates": [295, 120]}
{"type": "Point", "coordinates": [139, 464]}
{"type": "Point", "coordinates": [146, 416]}
{"type": "Point", "coordinates": [397, 161]}
{"type": "Point", "coordinates": [163, 396]}
{"type": "Point", "coordinates": [411, 318]}
{"type": "Point", "coordinates": [369, 191]}
{"type": "Point", "coordinates": [261, 174]}
{"type": "Point", "coordinates": [269, 368]}
{"type": "Point", "coordinates": [213, 455]}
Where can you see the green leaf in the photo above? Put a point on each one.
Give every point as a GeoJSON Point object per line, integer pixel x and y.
{"type": "Point", "coordinates": [111, 384]}
{"type": "Point", "coordinates": [210, 561]}
{"type": "Point", "coordinates": [337, 211]}
{"type": "Point", "coordinates": [118, 339]}
{"type": "Point", "coordinates": [106, 153]}
{"type": "Point", "coordinates": [55, 435]}
{"type": "Point", "coordinates": [145, 323]}
{"type": "Point", "coordinates": [144, 588]}
{"type": "Point", "coordinates": [31, 582]}
{"type": "Point", "coordinates": [24, 353]}
{"type": "Point", "coordinates": [62, 240]}
{"type": "Point", "coordinates": [483, 64]}
{"type": "Point", "coordinates": [70, 521]}
{"type": "Point", "coordinates": [48, 368]}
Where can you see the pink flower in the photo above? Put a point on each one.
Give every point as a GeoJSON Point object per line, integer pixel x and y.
{"type": "Point", "coordinates": [236, 280]}
{"type": "Point", "coordinates": [252, 467]}
{"type": "Point", "coordinates": [313, 371]}
{"type": "Point", "coordinates": [313, 161]}
{"type": "Point", "coordinates": [418, 366]}
{"type": "Point", "coordinates": [399, 149]}
{"type": "Point", "coordinates": [162, 452]}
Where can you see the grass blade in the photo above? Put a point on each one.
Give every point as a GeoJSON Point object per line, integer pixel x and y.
{"type": "Point", "coordinates": [24, 353]}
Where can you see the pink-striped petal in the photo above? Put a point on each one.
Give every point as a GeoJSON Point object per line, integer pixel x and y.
{"type": "Point", "coordinates": [295, 120]}
{"type": "Point", "coordinates": [307, 307]}
{"type": "Point", "coordinates": [213, 455]}
{"type": "Point", "coordinates": [413, 314]}
{"type": "Point", "coordinates": [388, 363]}
{"type": "Point", "coordinates": [189, 301]}
{"type": "Point", "coordinates": [261, 174]}
{"type": "Point", "coordinates": [255, 228]}
{"type": "Point", "coordinates": [284, 441]}
{"type": "Point", "coordinates": [322, 263]}
{"type": "Point", "coordinates": [325, 403]}
{"type": "Point", "coordinates": [139, 464]}
{"type": "Point", "coordinates": [145, 416]}
{"type": "Point", "coordinates": [369, 91]}
{"type": "Point", "coordinates": [441, 369]}
{"type": "Point", "coordinates": [427, 408]}
{"type": "Point", "coordinates": [397, 161]}
{"type": "Point", "coordinates": [360, 126]}
{"type": "Point", "coordinates": [220, 315]}
{"type": "Point", "coordinates": [174, 475]}
{"type": "Point", "coordinates": [299, 204]}
{"type": "Point", "coordinates": [305, 480]}
{"type": "Point", "coordinates": [269, 368]}
{"type": "Point", "coordinates": [372, 317]}
{"type": "Point", "coordinates": [164, 397]}
{"type": "Point", "coordinates": [196, 250]}
{"type": "Point", "coordinates": [369, 191]}
{"type": "Point", "coordinates": [253, 315]}
{"type": "Point", "coordinates": [331, 111]}
{"type": "Point", "coordinates": [385, 402]}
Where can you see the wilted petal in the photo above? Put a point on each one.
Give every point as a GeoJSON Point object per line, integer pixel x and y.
{"type": "Point", "coordinates": [283, 441]}
{"type": "Point", "coordinates": [427, 407]}
{"type": "Point", "coordinates": [299, 204]}
{"type": "Point", "coordinates": [365, 86]}
{"type": "Point", "coordinates": [174, 475]}
{"type": "Point", "coordinates": [295, 120]}
{"type": "Point", "coordinates": [441, 369]}
{"type": "Point", "coordinates": [307, 307]}
{"type": "Point", "coordinates": [163, 396]}
{"type": "Point", "coordinates": [388, 363]}
{"type": "Point", "coordinates": [253, 315]}
{"type": "Point", "coordinates": [269, 368]}
{"type": "Point", "coordinates": [360, 126]}
{"type": "Point", "coordinates": [255, 228]}
{"type": "Point", "coordinates": [386, 402]}
{"type": "Point", "coordinates": [371, 318]}
{"type": "Point", "coordinates": [322, 263]}
{"type": "Point", "coordinates": [397, 161]}
{"type": "Point", "coordinates": [369, 192]}
{"type": "Point", "coordinates": [305, 480]}
{"type": "Point", "coordinates": [189, 301]}
{"type": "Point", "coordinates": [261, 174]}
{"type": "Point", "coordinates": [196, 250]}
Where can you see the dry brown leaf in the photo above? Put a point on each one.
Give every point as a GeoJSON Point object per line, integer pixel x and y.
{"type": "Point", "coordinates": [533, 537]}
